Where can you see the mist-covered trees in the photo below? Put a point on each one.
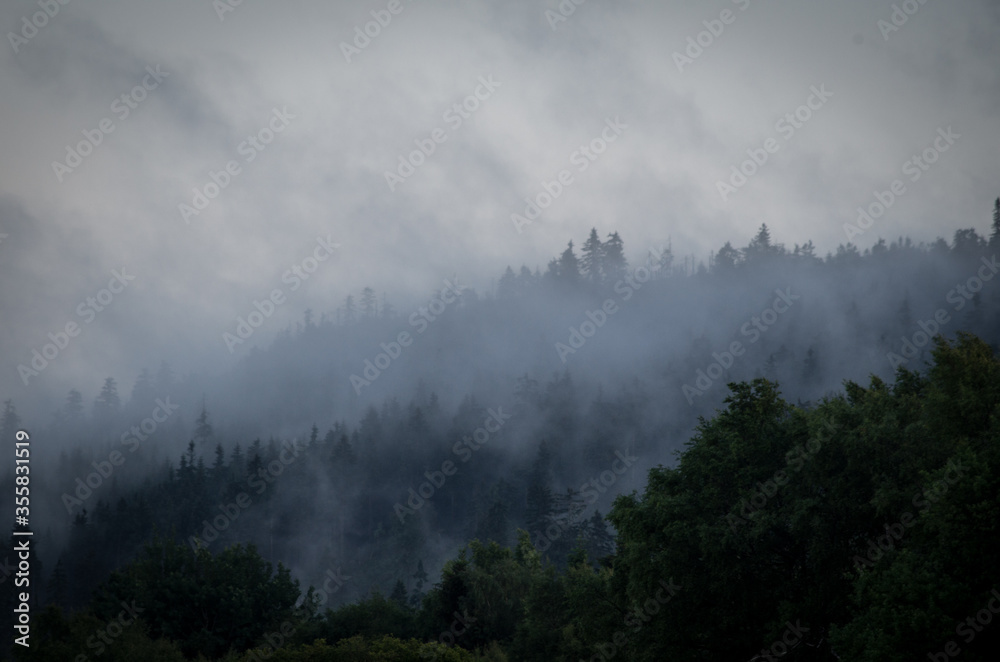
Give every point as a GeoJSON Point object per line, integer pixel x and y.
{"type": "Point", "coordinates": [861, 528]}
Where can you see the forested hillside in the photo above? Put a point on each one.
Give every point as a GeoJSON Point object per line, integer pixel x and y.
{"type": "Point", "coordinates": [529, 410]}
{"type": "Point", "coordinates": [861, 527]}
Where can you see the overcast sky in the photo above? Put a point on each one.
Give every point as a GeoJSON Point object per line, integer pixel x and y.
{"type": "Point", "coordinates": [553, 86]}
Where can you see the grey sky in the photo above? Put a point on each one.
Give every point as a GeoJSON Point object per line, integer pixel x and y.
{"type": "Point", "coordinates": [323, 175]}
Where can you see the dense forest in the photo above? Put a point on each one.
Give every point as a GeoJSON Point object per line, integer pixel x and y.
{"type": "Point", "coordinates": [632, 459]}
{"type": "Point", "coordinates": [863, 527]}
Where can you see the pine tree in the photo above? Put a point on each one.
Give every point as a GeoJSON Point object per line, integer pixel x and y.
{"type": "Point", "coordinates": [398, 594]}
{"type": "Point", "coordinates": [350, 311]}
{"type": "Point", "coordinates": [592, 258]}
{"type": "Point", "coordinates": [995, 235]}
{"type": "Point", "coordinates": [727, 259]}
{"type": "Point", "coordinates": [143, 391]}
{"type": "Point", "coordinates": [73, 409]}
{"type": "Point", "coordinates": [419, 578]}
{"type": "Point", "coordinates": [219, 465]}
{"type": "Point", "coordinates": [569, 268]}
{"type": "Point", "coordinates": [613, 254]}
{"type": "Point", "coordinates": [107, 404]}
{"type": "Point", "coordinates": [507, 287]}
{"type": "Point", "coordinates": [202, 430]}
{"type": "Point", "coordinates": [369, 303]}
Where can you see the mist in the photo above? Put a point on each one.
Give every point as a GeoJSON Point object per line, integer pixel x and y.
{"type": "Point", "coordinates": [366, 282]}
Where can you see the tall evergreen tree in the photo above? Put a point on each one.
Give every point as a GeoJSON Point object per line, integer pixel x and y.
{"type": "Point", "coordinates": [569, 266]}
{"type": "Point", "coordinates": [592, 258]}
{"type": "Point", "coordinates": [614, 264]}
{"type": "Point", "coordinates": [995, 234]}
{"type": "Point", "coordinates": [202, 429]}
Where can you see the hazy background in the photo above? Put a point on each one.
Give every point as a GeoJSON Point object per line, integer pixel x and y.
{"type": "Point", "coordinates": [324, 175]}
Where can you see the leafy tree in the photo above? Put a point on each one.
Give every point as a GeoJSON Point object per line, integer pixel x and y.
{"type": "Point", "coordinates": [208, 604]}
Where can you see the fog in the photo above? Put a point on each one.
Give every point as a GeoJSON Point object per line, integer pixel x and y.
{"type": "Point", "coordinates": [280, 224]}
